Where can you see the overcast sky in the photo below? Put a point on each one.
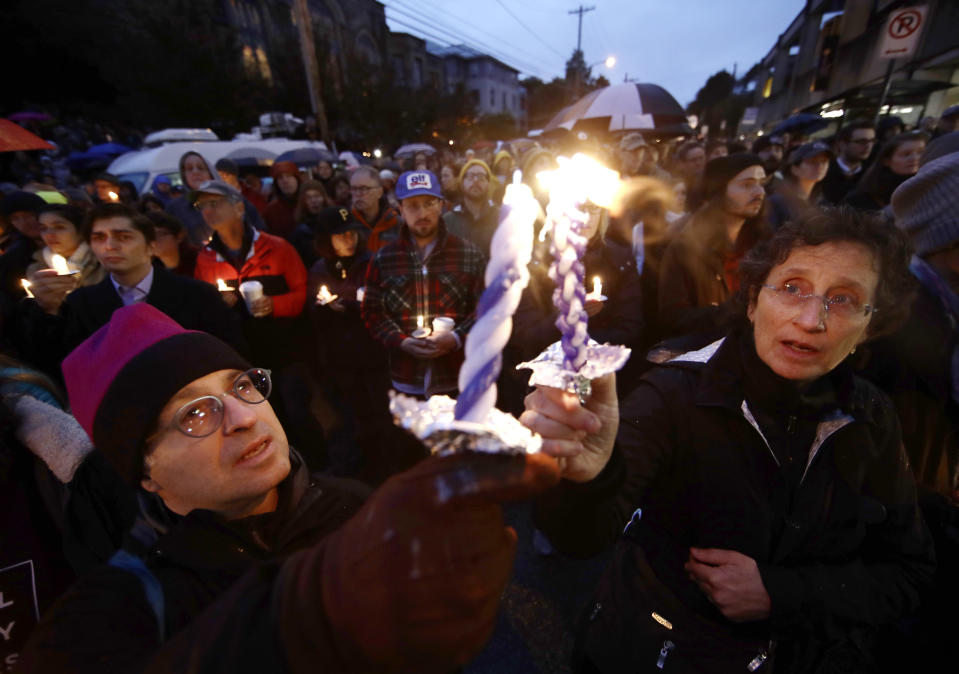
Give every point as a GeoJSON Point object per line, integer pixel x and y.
{"type": "Point", "coordinates": [674, 43]}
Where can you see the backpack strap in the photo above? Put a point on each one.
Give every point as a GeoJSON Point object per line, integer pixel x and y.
{"type": "Point", "coordinates": [132, 563]}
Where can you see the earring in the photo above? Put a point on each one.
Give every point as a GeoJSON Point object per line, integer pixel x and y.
{"type": "Point", "coordinates": [853, 351]}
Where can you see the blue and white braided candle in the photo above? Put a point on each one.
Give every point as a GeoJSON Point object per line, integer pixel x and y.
{"type": "Point", "coordinates": [506, 277]}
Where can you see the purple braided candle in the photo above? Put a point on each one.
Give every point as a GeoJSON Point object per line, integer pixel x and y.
{"type": "Point", "coordinates": [569, 275]}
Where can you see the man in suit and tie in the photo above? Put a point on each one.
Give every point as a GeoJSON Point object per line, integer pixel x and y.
{"type": "Point", "coordinates": [122, 240]}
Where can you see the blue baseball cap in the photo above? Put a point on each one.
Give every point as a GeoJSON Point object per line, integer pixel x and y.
{"type": "Point", "coordinates": [415, 183]}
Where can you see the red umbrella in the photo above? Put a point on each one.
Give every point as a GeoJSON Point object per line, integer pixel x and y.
{"type": "Point", "coordinates": [14, 138]}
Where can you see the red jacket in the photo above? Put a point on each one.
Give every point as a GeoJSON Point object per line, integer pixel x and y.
{"type": "Point", "coordinates": [271, 261]}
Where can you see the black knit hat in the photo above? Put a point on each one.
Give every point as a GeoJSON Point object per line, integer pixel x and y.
{"type": "Point", "coordinates": [337, 221]}
{"type": "Point", "coordinates": [122, 376]}
{"type": "Point", "coordinates": [721, 170]}
{"type": "Point", "coordinates": [21, 201]}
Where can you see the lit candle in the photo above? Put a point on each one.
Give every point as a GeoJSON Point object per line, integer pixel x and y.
{"type": "Point", "coordinates": [506, 277]}
{"type": "Point", "coordinates": [60, 265]}
{"type": "Point", "coordinates": [324, 296]}
{"type": "Point", "coordinates": [597, 293]}
{"type": "Point", "coordinates": [421, 329]}
{"type": "Point", "coordinates": [575, 182]}
{"type": "Point", "coordinates": [26, 286]}
{"type": "Point", "coordinates": [113, 196]}
{"type": "Point", "coordinates": [222, 287]}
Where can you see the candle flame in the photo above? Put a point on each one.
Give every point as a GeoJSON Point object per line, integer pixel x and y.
{"type": "Point", "coordinates": [581, 179]}
{"type": "Point", "coordinates": [597, 286]}
{"type": "Point", "coordinates": [26, 286]}
{"type": "Point", "coordinates": [419, 321]}
{"type": "Point", "coordinates": [221, 286]}
{"type": "Point", "coordinates": [60, 265]}
{"type": "Point", "coordinates": [113, 196]}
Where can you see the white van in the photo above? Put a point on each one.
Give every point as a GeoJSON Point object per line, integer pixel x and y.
{"type": "Point", "coordinates": [143, 167]}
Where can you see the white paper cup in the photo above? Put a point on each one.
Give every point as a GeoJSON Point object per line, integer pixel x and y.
{"type": "Point", "coordinates": [442, 324]}
{"type": "Point", "coordinates": [251, 291]}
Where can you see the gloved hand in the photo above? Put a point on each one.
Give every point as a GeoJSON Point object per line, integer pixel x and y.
{"type": "Point", "coordinates": [412, 582]}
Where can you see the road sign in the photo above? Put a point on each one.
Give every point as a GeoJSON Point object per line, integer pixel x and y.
{"type": "Point", "coordinates": [901, 33]}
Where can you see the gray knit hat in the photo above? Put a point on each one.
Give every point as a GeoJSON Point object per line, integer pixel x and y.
{"type": "Point", "coordinates": [927, 205]}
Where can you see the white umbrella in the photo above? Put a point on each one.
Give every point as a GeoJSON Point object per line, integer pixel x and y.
{"type": "Point", "coordinates": [621, 107]}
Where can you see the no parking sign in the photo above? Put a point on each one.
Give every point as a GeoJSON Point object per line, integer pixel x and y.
{"type": "Point", "coordinates": [901, 33]}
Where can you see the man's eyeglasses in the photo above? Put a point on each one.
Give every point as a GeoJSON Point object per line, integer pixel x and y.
{"type": "Point", "coordinates": [203, 416]}
{"type": "Point", "coordinates": [476, 176]}
{"type": "Point", "coordinates": [362, 189]}
{"type": "Point", "coordinates": [841, 307]}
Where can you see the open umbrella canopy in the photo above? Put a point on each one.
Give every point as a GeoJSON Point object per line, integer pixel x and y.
{"type": "Point", "coordinates": [411, 149]}
{"type": "Point", "coordinates": [30, 116]}
{"type": "Point", "coordinates": [246, 157]}
{"type": "Point", "coordinates": [96, 157]}
{"type": "Point", "coordinates": [804, 122]}
{"type": "Point", "coordinates": [14, 137]}
{"type": "Point", "coordinates": [622, 107]}
{"type": "Point", "coordinates": [306, 156]}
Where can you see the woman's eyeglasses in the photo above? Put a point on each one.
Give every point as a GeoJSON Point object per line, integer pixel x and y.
{"type": "Point", "coordinates": [841, 306]}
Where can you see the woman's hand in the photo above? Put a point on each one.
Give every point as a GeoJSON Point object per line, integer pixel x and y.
{"type": "Point", "coordinates": [731, 581]}
{"type": "Point", "coordinates": [581, 438]}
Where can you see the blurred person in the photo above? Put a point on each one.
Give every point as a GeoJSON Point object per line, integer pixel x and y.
{"type": "Point", "coordinates": [150, 204]}
{"type": "Point", "coordinates": [501, 168]}
{"type": "Point", "coordinates": [889, 127]}
{"type": "Point", "coordinates": [371, 209]}
{"type": "Point", "coordinates": [348, 353]}
{"type": "Point", "coordinates": [194, 171]}
{"type": "Point", "coordinates": [170, 245]}
{"type": "Point", "coordinates": [677, 209]}
{"type": "Point", "coordinates": [536, 161]}
{"type": "Point", "coordinates": [340, 191]}
{"type": "Point", "coordinates": [632, 154]}
{"type": "Point", "coordinates": [426, 273]}
{"type": "Point", "coordinates": [806, 168]}
{"type": "Point", "coordinates": [948, 121]}
{"type": "Point", "coordinates": [940, 147]}
{"type": "Point", "coordinates": [689, 163]}
{"type": "Point", "coordinates": [420, 162]}
{"type": "Point", "coordinates": [107, 188]}
{"type": "Point", "coordinates": [716, 147]}
{"type": "Point", "coordinates": [128, 192]}
{"type": "Point", "coordinates": [20, 209]}
{"type": "Point", "coordinates": [251, 186]}
{"type": "Point", "coordinates": [700, 268]}
{"type": "Point", "coordinates": [313, 201]}
{"type": "Point", "coordinates": [769, 505]}
{"type": "Point", "coordinates": [449, 180]}
{"type": "Point", "coordinates": [770, 150]}
{"type": "Point", "coordinates": [927, 125]}
{"type": "Point", "coordinates": [476, 217]}
{"type": "Point", "coordinates": [236, 536]}
{"type": "Point", "coordinates": [64, 233]}
{"type": "Point", "coordinates": [162, 189]}
{"type": "Point", "coordinates": [280, 213]}
{"type": "Point", "coordinates": [855, 143]}
{"type": "Point", "coordinates": [388, 181]}
{"type": "Point", "coordinates": [896, 161]}
{"type": "Point", "coordinates": [918, 367]}
{"type": "Point", "coordinates": [229, 172]}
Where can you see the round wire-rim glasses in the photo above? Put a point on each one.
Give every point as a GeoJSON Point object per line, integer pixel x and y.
{"type": "Point", "coordinates": [843, 307]}
{"type": "Point", "coordinates": [203, 416]}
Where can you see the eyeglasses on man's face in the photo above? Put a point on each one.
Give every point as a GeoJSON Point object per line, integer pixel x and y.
{"type": "Point", "coordinates": [362, 189]}
{"type": "Point", "coordinates": [203, 416]}
{"type": "Point", "coordinates": [841, 306]}
{"type": "Point", "coordinates": [210, 204]}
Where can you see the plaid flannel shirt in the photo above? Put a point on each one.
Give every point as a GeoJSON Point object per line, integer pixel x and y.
{"type": "Point", "coordinates": [401, 287]}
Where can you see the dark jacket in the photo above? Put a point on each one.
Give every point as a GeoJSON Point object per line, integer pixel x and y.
{"type": "Point", "coordinates": [104, 623]}
{"type": "Point", "coordinates": [836, 185]}
{"type": "Point", "coordinates": [460, 222]}
{"type": "Point", "coordinates": [193, 304]}
{"type": "Point", "coordinates": [816, 490]}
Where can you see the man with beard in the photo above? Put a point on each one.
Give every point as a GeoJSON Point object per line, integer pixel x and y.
{"type": "Point", "coordinates": [427, 273]}
{"type": "Point", "coordinates": [700, 267]}
{"type": "Point", "coordinates": [475, 217]}
{"type": "Point", "coordinates": [856, 142]}
{"type": "Point", "coordinates": [770, 150]}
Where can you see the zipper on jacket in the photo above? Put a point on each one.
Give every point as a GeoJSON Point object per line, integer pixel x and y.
{"type": "Point", "coordinates": [744, 408]}
{"type": "Point", "coordinates": [664, 653]}
{"type": "Point", "coordinates": [761, 657]}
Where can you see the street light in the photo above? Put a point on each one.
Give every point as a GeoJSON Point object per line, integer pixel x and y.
{"type": "Point", "coordinates": [609, 62]}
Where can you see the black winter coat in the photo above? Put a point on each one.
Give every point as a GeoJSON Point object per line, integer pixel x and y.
{"type": "Point", "coordinates": [836, 534]}
{"type": "Point", "coordinates": [104, 623]}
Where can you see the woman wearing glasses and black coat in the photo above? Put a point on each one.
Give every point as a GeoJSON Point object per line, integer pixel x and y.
{"type": "Point", "coordinates": [771, 518]}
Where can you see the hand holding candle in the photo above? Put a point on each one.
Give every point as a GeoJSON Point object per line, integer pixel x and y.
{"type": "Point", "coordinates": [222, 286]}
{"type": "Point", "coordinates": [60, 266]}
{"type": "Point", "coordinates": [26, 287]}
{"type": "Point", "coordinates": [324, 297]}
{"type": "Point", "coordinates": [421, 329]}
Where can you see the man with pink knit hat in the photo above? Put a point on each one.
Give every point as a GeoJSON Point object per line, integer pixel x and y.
{"type": "Point", "coordinates": [243, 561]}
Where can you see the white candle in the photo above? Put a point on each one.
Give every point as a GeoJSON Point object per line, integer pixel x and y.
{"type": "Point", "coordinates": [597, 293]}
{"type": "Point", "coordinates": [60, 265]}
{"type": "Point", "coordinates": [113, 196]}
{"type": "Point", "coordinates": [323, 296]}
{"type": "Point", "coordinates": [506, 277]}
{"type": "Point", "coordinates": [26, 286]}
{"type": "Point", "coordinates": [222, 287]}
{"type": "Point", "coordinates": [421, 329]}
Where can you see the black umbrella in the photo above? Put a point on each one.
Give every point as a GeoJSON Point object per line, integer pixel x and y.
{"type": "Point", "coordinates": [804, 122]}
{"type": "Point", "coordinates": [306, 156]}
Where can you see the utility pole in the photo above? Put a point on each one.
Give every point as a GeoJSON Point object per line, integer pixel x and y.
{"type": "Point", "coordinates": [579, 33]}
{"type": "Point", "coordinates": [304, 25]}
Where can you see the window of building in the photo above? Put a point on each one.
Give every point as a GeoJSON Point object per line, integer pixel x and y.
{"type": "Point", "coordinates": [417, 73]}
{"type": "Point", "coordinates": [399, 70]}
{"type": "Point", "coordinates": [475, 96]}
{"type": "Point", "coordinates": [768, 87]}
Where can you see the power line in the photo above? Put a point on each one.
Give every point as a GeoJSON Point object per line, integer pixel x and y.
{"type": "Point", "coordinates": [444, 35]}
{"type": "Point", "coordinates": [528, 29]}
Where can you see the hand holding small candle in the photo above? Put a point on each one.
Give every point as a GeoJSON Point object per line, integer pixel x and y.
{"type": "Point", "coordinates": [597, 293]}
{"type": "Point", "coordinates": [26, 286]}
{"type": "Point", "coordinates": [223, 287]}
{"type": "Point", "coordinates": [324, 297]}
{"type": "Point", "coordinates": [60, 266]}
{"type": "Point", "coordinates": [421, 329]}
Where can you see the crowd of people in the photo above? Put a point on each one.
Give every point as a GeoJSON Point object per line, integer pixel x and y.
{"type": "Point", "coordinates": [200, 464]}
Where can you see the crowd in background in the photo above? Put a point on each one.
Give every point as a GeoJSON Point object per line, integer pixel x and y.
{"type": "Point", "coordinates": [668, 257]}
